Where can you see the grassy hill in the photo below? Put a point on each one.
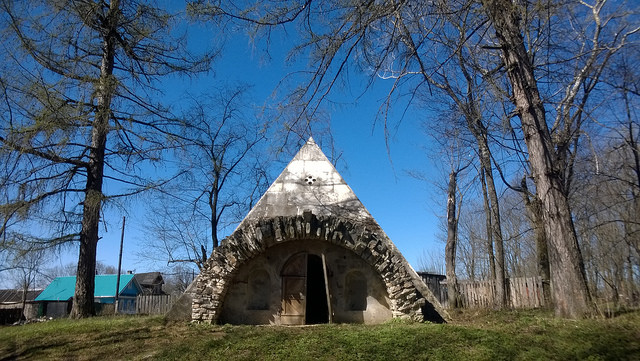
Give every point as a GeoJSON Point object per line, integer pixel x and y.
{"type": "Point", "coordinates": [509, 335]}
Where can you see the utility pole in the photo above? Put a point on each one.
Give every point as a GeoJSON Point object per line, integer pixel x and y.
{"type": "Point", "coordinates": [119, 267]}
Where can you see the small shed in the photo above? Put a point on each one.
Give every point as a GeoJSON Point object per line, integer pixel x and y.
{"type": "Point", "coordinates": [437, 283]}
{"type": "Point", "coordinates": [11, 305]}
{"type": "Point", "coordinates": [56, 299]}
{"type": "Point", "coordinates": [151, 282]}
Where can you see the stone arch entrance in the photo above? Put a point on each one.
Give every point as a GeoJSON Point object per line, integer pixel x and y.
{"type": "Point", "coordinates": [364, 240]}
{"type": "Point", "coordinates": [304, 290]}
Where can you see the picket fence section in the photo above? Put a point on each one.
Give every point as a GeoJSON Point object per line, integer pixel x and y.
{"type": "Point", "coordinates": [476, 294]}
{"type": "Point", "coordinates": [526, 292]}
{"type": "Point", "coordinates": [154, 304]}
{"type": "Point", "coordinates": [523, 292]}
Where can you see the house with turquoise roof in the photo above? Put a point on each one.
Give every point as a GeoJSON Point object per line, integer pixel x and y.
{"type": "Point", "coordinates": [57, 298]}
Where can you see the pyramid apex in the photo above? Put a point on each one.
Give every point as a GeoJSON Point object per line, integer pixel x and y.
{"type": "Point", "coordinates": [309, 182]}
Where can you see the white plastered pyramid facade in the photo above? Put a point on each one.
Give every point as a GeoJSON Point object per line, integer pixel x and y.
{"type": "Point", "coordinates": [309, 183]}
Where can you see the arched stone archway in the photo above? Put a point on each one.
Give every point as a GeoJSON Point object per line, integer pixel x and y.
{"type": "Point", "coordinates": [409, 297]}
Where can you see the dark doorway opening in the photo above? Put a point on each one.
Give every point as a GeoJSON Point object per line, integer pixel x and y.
{"type": "Point", "coordinates": [317, 310]}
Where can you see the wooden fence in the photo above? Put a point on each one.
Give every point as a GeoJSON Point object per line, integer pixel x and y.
{"type": "Point", "coordinates": [154, 304]}
{"type": "Point", "coordinates": [525, 292]}
{"type": "Point", "coordinates": [522, 292]}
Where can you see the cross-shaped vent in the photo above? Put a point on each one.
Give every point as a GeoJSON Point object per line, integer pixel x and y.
{"type": "Point", "coordinates": [310, 179]}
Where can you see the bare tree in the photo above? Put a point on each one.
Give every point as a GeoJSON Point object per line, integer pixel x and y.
{"type": "Point", "coordinates": [607, 201]}
{"type": "Point", "coordinates": [473, 253]}
{"type": "Point", "coordinates": [453, 293]}
{"type": "Point", "coordinates": [26, 269]}
{"type": "Point", "coordinates": [458, 163]}
{"type": "Point", "coordinates": [78, 87]}
{"type": "Point", "coordinates": [431, 262]}
{"type": "Point", "coordinates": [70, 269]}
{"type": "Point", "coordinates": [222, 159]}
{"type": "Point", "coordinates": [549, 156]}
{"type": "Point", "coordinates": [178, 278]}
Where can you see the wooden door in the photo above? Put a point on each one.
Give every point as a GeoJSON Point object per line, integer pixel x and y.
{"type": "Point", "coordinates": [294, 290]}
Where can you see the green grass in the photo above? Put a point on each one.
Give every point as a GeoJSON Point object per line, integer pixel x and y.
{"type": "Point", "coordinates": [509, 335]}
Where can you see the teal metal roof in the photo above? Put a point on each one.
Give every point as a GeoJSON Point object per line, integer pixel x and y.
{"type": "Point", "coordinates": [62, 288]}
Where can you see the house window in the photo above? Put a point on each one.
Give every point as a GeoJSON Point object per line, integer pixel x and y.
{"type": "Point", "coordinates": [259, 285]}
{"type": "Point", "coordinates": [356, 291]}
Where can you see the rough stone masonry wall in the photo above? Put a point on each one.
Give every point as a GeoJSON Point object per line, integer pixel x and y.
{"type": "Point", "coordinates": [366, 240]}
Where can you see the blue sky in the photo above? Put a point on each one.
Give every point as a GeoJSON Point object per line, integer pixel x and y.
{"type": "Point", "coordinates": [405, 207]}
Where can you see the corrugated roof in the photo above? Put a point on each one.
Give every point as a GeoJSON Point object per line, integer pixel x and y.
{"type": "Point", "coordinates": [62, 288]}
{"type": "Point", "coordinates": [149, 278]}
{"type": "Point", "coordinates": [12, 296]}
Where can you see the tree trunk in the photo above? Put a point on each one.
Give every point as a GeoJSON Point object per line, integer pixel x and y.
{"type": "Point", "coordinates": [492, 208]}
{"type": "Point", "coordinates": [452, 237]}
{"type": "Point", "coordinates": [631, 287]}
{"type": "Point", "coordinates": [570, 293]}
{"type": "Point", "coordinates": [214, 193]}
{"type": "Point", "coordinates": [83, 299]}
{"type": "Point", "coordinates": [534, 208]}
{"type": "Point", "coordinates": [487, 213]}
{"type": "Point", "coordinates": [633, 236]}
{"type": "Point", "coordinates": [25, 290]}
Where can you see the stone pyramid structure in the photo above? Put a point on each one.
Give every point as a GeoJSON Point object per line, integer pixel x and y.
{"type": "Point", "coordinates": [310, 252]}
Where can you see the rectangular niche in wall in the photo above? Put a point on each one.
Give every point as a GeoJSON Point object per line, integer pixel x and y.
{"type": "Point", "coordinates": [356, 291]}
{"type": "Point", "coordinates": [259, 285]}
